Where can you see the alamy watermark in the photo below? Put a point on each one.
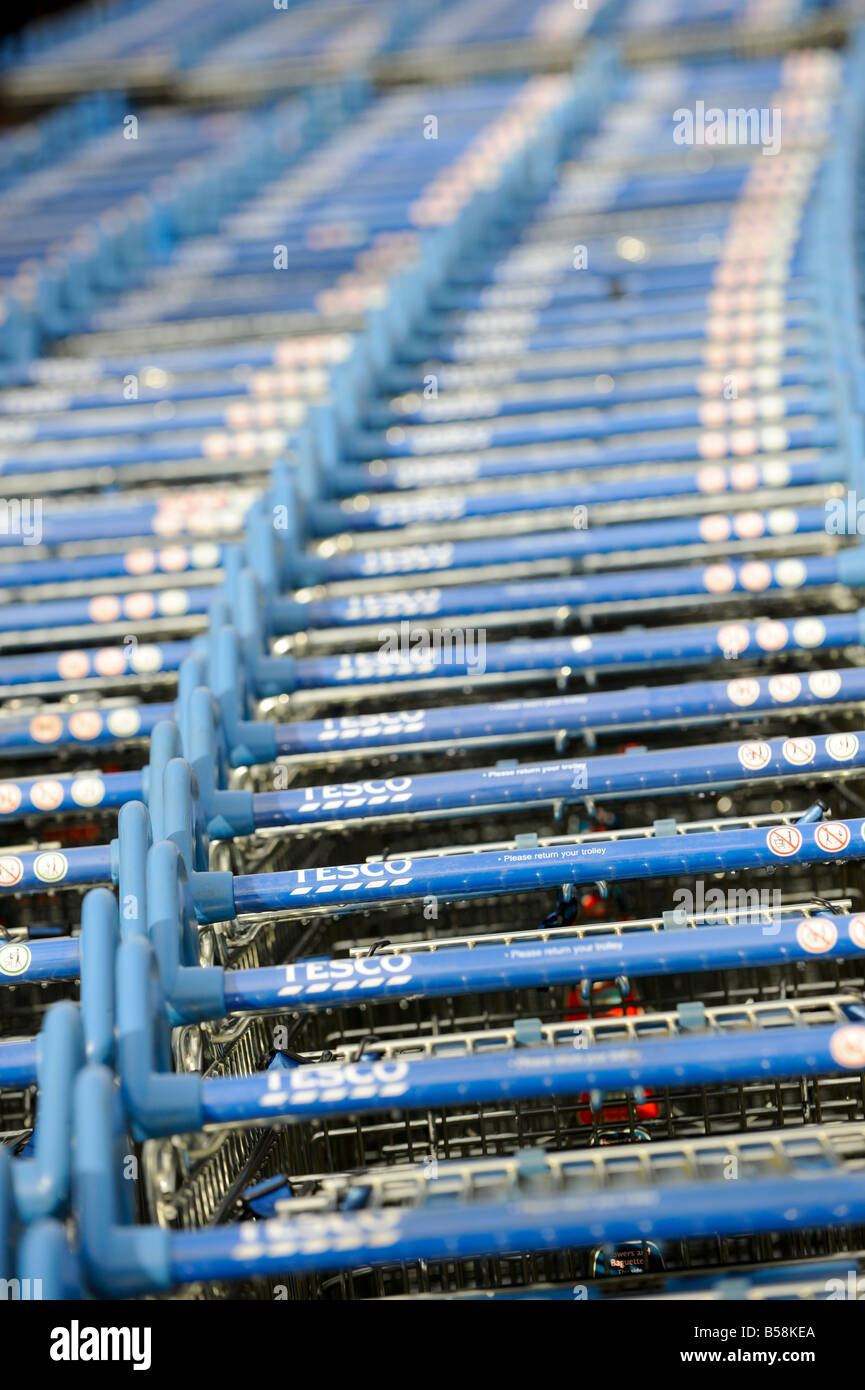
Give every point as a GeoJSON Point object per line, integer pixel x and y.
{"type": "Point", "coordinates": [427, 648]}
{"type": "Point", "coordinates": [22, 516]}
{"type": "Point", "coordinates": [736, 126]}
{"type": "Point", "coordinates": [715, 904]}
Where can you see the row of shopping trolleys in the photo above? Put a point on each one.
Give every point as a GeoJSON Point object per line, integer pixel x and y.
{"type": "Point", "coordinates": [465, 1023]}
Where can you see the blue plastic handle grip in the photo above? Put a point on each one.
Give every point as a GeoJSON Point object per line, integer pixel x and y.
{"type": "Point", "coordinates": [491, 872]}
{"type": "Point", "coordinates": [315, 1092]}
{"type": "Point", "coordinates": [323, 984]}
{"type": "Point", "coordinates": [635, 774]}
{"type": "Point", "coordinates": [651, 706]}
{"type": "Point", "coordinates": [575, 543]}
{"type": "Point", "coordinates": [21, 736]}
{"type": "Point", "coordinates": [34, 796]}
{"type": "Point", "coordinates": [717, 581]}
{"type": "Point", "coordinates": [453, 506]}
{"type": "Point", "coordinates": [22, 962]}
{"type": "Point", "coordinates": [18, 1064]}
{"type": "Point", "coordinates": [454, 1231]}
{"type": "Point", "coordinates": [646, 647]}
{"type": "Point", "coordinates": [40, 871]}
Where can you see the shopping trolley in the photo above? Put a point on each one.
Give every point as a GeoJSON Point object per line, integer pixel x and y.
{"type": "Point", "coordinates": [445, 1027]}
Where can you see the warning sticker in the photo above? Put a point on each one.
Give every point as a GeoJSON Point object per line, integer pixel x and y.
{"type": "Point", "coordinates": [816, 935]}
{"type": "Point", "coordinates": [719, 579]}
{"type": "Point", "coordinates": [714, 528]}
{"type": "Point", "coordinates": [799, 751]}
{"type": "Point", "coordinates": [743, 692]}
{"type": "Point", "coordinates": [824, 684]}
{"type": "Point", "coordinates": [754, 756]}
{"type": "Point", "coordinates": [771, 636]}
{"type": "Point", "coordinates": [11, 870]}
{"type": "Point", "coordinates": [50, 867]}
{"type": "Point", "coordinates": [733, 637]}
{"type": "Point", "coordinates": [124, 722]}
{"type": "Point", "coordinates": [756, 575]}
{"type": "Point", "coordinates": [809, 632]}
{"type": "Point", "coordinates": [72, 665]}
{"type": "Point", "coordinates": [847, 1046]}
{"type": "Point", "coordinates": [14, 960]}
{"type": "Point", "coordinates": [784, 688]}
{"type": "Point", "coordinates": [10, 798]}
{"type": "Point", "coordinates": [833, 836]}
{"type": "Point", "coordinates": [87, 791]}
{"type": "Point", "coordinates": [46, 728]}
{"type": "Point", "coordinates": [47, 795]}
{"type": "Point", "coordinates": [784, 840]}
{"type": "Point", "coordinates": [856, 929]}
{"type": "Point", "coordinates": [85, 724]}
{"type": "Point", "coordinates": [842, 747]}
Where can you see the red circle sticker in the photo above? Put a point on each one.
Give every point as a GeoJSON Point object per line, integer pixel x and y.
{"type": "Point", "coordinates": [87, 723]}
{"type": "Point", "coordinates": [140, 561]}
{"type": "Point", "coordinates": [749, 525]}
{"type": "Point", "coordinates": [46, 728]}
{"type": "Point", "coordinates": [847, 1046]}
{"type": "Point", "coordinates": [833, 836]}
{"type": "Point", "coordinates": [11, 870]}
{"type": "Point", "coordinates": [755, 575]}
{"type": "Point", "coordinates": [784, 840]}
{"type": "Point", "coordinates": [784, 688]}
{"type": "Point", "coordinates": [743, 692]}
{"type": "Point", "coordinates": [140, 605]}
{"type": "Point", "coordinates": [816, 935]}
{"type": "Point", "coordinates": [72, 665]}
{"type": "Point", "coordinates": [711, 478]}
{"type": "Point", "coordinates": [856, 929]}
{"type": "Point", "coordinates": [745, 477]}
{"type": "Point", "coordinates": [47, 795]}
{"type": "Point", "coordinates": [754, 756]}
{"type": "Point", "coordinates": [109, 661]}
{"type": "Point", "coordinates": [714, 528]}
{"type": "Point", "coordinates": [719, 579]}
{"type": "Point", "coordinates": [105, 608]}
{"type": "Point", "coordinates": [733, 637]}
{"type": "Point", "coordinates": [173, 558]}
{"type": "Point", "coordinates": [10, 798]}
{"type": "Point", "coordinates": [771, 636]}
{"type": "Point", "coordinates": [799, 751]}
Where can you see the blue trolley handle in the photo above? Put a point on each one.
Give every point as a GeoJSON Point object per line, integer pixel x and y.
{"type": "Point", "coordinates": [488, 873]}
{"type": "Point", "coordinates": [458, 1231]}
{"type": "Point", "coordinates": [334, 1089]}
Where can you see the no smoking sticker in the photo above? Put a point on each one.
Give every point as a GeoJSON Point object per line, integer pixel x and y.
{"type": "Point", "coordinates": [46, 795]}
{"type": "Point", "coordinates": [46, 728]}
{"type": "Point", "coordinates": [743, 692]}
{"type": "Point", "coordinates": [733, 637]}
{"type": "Point", "coordinates": [799, 751]}
{"type": "Point", "coordinates": [11, 870]}
{"type": "Point", "coordinates": [771, 636]}
{"type": "Point", "coordinates": [817, 935]}
{"type": "Point", "coordinates": [784, 840]}
{"type": "Point", "coordinates": [754, 756]}
{"type": "Point", "coordinates": [833, 837]}
{"type": "Point", "coordinates": [784, 688]}
{"type": "Point", "coordinates": [10, 798]}
{"type": "Point", "coordinates": [847, 1046]}
{"type": "Point", "coordinates": [857, 932]}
